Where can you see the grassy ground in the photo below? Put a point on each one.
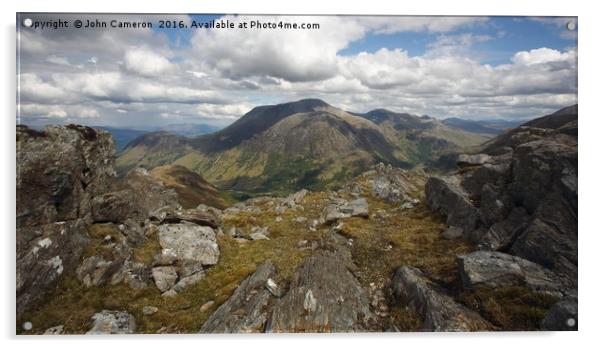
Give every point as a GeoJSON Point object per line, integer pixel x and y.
{"type": "Point", "coordinates": [391, 237]}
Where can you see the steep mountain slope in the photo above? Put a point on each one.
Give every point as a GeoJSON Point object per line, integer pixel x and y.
{"type": "Point", "coordinates": [303, 144]}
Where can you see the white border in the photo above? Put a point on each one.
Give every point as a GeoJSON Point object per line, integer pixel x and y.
{"type": "Point", "coordinates": [589, 196]}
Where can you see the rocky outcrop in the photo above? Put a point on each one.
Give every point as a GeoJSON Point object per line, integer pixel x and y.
{"type": "Point", "coordinates": [394, 184]}
{"type": "Point", "coordinates": [112, 322]}
{"type": "Point", "coordinates": [323, 294]}
{"type": "Point", "coordinates": [60, 171]}
{"type": "Point", "coordinates": [246, 310]}
{"type": "Point", "coordinates": [497, 269]}
{"type": "Point", "coordinates": [438, 310]}
{"type": "Point", "coordinates": [520, 195]}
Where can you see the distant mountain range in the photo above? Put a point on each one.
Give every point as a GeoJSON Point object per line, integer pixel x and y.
{"type": "Point", "coordinates": [492, 127]}
{"type": "Point", "coordinates": [303, 144]}
{"type": "Point", "coordinates": [123, 136]}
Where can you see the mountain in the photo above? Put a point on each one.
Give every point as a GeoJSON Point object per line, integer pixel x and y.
{"type": "Point", "coordinates": [191, 188]}
{"type": "Point", "coordinates": [302, 144]}
{"type": "Point", "coordinates": [188, 129]}
{"type": "Point", "coordinates": [491, 127]}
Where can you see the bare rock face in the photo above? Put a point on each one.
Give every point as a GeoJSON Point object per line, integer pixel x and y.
{"type": "Point", "coordinates": [324, 296]}
{"type": "Point", "coordinates": [394, 184]}
{"type": "Point", "coordinates": [60, 171]}
{"type": "Point", "coordinates": [439, 311]}
{"type": "Point", "coordinates": [246, 310]}
{"type": "Point", "coordinates": [523, 198]}
{"type": "Point", "coordinates": [499, 269]}
{"type": "Point", "coordinates": [112, 322]}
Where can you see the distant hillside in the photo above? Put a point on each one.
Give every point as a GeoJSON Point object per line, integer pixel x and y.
{"type": "Point", "coordinates": [491, 127]}
{"type": "Point", "coordinates": [191, 188]}
{"type": "Point", "coordinates": [303, 144]}
{"type": "Point", "coordinates": [188, 129]}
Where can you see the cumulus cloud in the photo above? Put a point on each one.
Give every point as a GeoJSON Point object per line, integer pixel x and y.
{"type": "Point", "coordinates": [144, 78]}
{"type": "Point", "coordinates": [146, 62]}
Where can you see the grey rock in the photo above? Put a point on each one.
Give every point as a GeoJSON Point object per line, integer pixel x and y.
{"type": "Point", "coordinates": [60, 171]}
{"type": "Point", "coordinates": [149, 194]}
{"type": "Point", "coordinates": [166, 257]}
{"type": "Point", "coordinates": [501, 235]}
{"type": "Point", "coordinates": [112, 322]}
{"type": "Point", "coordinates": [95, 270]}
{"type": "Point", "coordinates": [323, 296]}
{"type": "Point", "coordinates": [188, 280]}
{"type": "Point", "coordinates": [562, 315]}
{"type": "Point", "coordinates": [497, 269]}
{"type": "Point", "coordinates": [113, 206]}
{"type": "Point", "coordinates": [438, 310]}
{"type": "Point", "coordinates": [246, 309]}
{"type": "Point", "coordinates": [190, 242]}
{"type": "Point", "coordinates": [447, 196]}
{"type": "Point", "coordinates": [55, 330]}
{"type": "Point", "coordinates": [165, 277]}
{"type": "Point", "coordinates": [343, 209]}
{"type": "Point", "coordinates": [204, 217]}
{"type": "Point", "coordinates": [205, 307]}
{"type": "Point", "coordinates": [477, 159]}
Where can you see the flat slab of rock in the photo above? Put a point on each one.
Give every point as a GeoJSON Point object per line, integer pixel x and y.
{"type": "Point", "coordinates": [342, 210]}
{"type": "Point", "coordinates": [112, 322]}
{"type": "Point", "coordinates": [439, 311]}
{"type": "Point", "coordinates": [324, 297]}
{"type": "Point", "coordinates": [246, 309]}
{"type": "Point", "coordinates": [191, 243]}
{"type": "Point", "coordinates": [204, 217]}
{"type": "Point", "coordinates": [494, 269]}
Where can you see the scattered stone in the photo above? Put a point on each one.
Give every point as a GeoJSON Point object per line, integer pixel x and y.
{"type": "Point", "coordinates": [189, 280]}
{"type": "Point", "coordinates": [55, 330]}
{"type": "Point", "coordinates": [112, 322]}
{"type": "Point", "coordinates": [94, 271]}
{"type": "Point", "coordinates": [169, 293]}
{"type": "Point", "coordinates": [149, 310]}
{"type": "Point", "coordinates": [211, 217]}
{"type": "Point", "coordinates": [258, 236]}
{"type": "Point", "coordinates": [165, 277]}
{"type": "Point", "coordinates": [344, 209]}
{"type": "Point", "coordinates": [205, 307]}
{"type": "Point", "coordinates": [300, 219]}
{"type": "Point", "coordinates": [278, 219]}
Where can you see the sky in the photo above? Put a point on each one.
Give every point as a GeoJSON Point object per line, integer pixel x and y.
{"type": "Point", "coordinates": [468, 67]}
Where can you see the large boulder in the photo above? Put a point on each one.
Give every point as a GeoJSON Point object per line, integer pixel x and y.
{"type": "Point", "coordinates": [438, 310]}
{"type": "Point", "coordinates": [246, 309]}
{"type": "Point", "coordinates": [148, 193]}
{"type": "Point", "coordinates": [191, 243]}
{"type": "Point", "coordinates": [59, 171]}
{"type": "Point", "coordinates": [497, 269]}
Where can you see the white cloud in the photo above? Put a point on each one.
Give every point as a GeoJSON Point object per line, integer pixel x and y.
{"type": "Point", "coordinates": [543, 55]}
{"type": "Point", "coordinates": [146, 62]}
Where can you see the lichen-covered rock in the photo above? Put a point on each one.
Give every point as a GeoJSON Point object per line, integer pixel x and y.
{"type": "Point", "coordinates": [497, 269]}
{"type": "Point", "coordinates": [59, 172]}
{"type": "Point", "coordinates": [343, 209]}
{"type": "Point", "coordinates": [447, 196]}
{"type": "Point", "coordinates": [112, 322]}
{"type": "Point", "coordinates": [95, 270]}
{"type": "Point", "coordinates": [246, 309]}
{"type": "Point", "coordinates": [193, 244]}
{"type": "Point", "coordinates": [438, 310]}
{"type": "Point", "coordinates": [323, 296]}
{"type": "Point", "coordinates": [148, 193]}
